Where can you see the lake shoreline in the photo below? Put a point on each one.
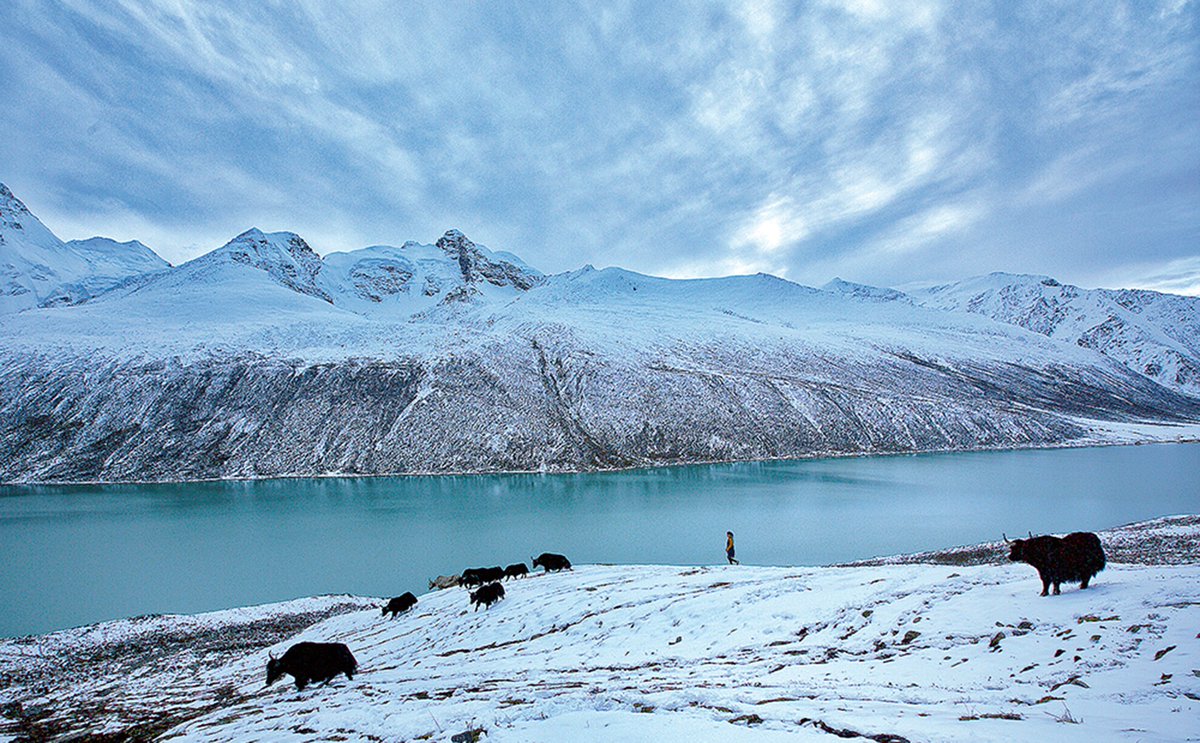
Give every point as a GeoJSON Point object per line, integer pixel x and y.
{"type": "Point", "coordinates": [79, 675]}
{"type": "Point", "coordinates": [1139, 439]}
{"type": "Point", "coordinates": [79, 556]}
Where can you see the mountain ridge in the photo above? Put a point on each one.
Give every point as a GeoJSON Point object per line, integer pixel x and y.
{"type": "Point", "coordinates": [263, 359]}
{"type": "Point", "coordinates": [1155, 334]}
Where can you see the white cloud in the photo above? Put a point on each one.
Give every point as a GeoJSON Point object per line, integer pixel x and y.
{"type": "Point", "coordinates": [759, 16]}
{"type": "Point", "coordinates": [1179, 276]}
{"type": "Point", "coordinates": [936, 224]}
{"type": "Point", "coordinates": [788, 138]}
{"type": "Point", "coordinates": [775, 224]}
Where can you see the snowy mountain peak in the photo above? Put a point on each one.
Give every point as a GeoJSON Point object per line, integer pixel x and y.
{"type": "Point", "coordinates": [865, 291]}
{"type": "Point", "coordinates": [132, 252]}
{"type": "Point", "coordinates": [11, 209]}
{"type": "Point", "coordinates": [19, 225]}
{"type": "Point", "coordinates": [39, 270]}
{"type": "Point", "coordinates": [995, 280]}
{"type": "Point", "coordinates": [256, 240]}
{"type": "Point", "coordinates": [454, 242]}
{"type": "Point", "coordinates": [284, 256]}
{"type": "Point", "coordinates": [478, 264]}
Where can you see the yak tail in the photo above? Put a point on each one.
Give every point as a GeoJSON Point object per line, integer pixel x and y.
{"type": "Point", "coordinates": [1005, 538]}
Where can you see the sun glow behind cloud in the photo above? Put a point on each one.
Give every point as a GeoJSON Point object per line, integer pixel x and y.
{"type": "Point", "coordinates": [882, 142]}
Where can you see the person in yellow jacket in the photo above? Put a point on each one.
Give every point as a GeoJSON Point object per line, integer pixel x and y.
{"type": "Point", "coordinates": [729, 548]}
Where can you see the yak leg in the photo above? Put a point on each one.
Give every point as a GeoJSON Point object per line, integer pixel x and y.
{"type": "Point", "coordinates": [301, 682]}
{"type": "Point", "coordinates": [1045, 587]}
{"type": "Point", "coordinates": [1056, 591]}
{"type": "Point", "coordinates": [1084, 583]}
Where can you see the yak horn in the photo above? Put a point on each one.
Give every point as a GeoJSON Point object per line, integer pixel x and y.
{"type": "Point", "coordinates": [1031, 535]}
{"type": "Point", "coordinates": [1006, 541]}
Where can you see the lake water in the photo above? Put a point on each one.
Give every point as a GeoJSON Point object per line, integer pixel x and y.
{"type": "Point", "coordinates": [81, 554]}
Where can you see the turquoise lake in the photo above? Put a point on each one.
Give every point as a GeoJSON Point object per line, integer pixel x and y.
{"type": "Point", "coordinates": [80, 554]}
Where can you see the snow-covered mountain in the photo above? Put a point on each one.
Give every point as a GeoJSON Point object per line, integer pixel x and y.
{"type": "Point", "coordinates": [1154, 334]}
{"type": "Point", "coordinates": [256, 272]}
{"type": "Point", "coordinates": [262, 358]}
{"type": "Point", "coordinates": [39, 270]}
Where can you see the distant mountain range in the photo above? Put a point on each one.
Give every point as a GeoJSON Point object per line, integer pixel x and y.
{"type": "Point", "coordinates": [263, 358]}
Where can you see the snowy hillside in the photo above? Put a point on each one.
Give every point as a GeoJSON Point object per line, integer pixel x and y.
{"type": "Point", "coordinates": [262, 358]}
{"type": "Point", "coordinates": [39, 270]}
{"type": "Point", "coordinates": [901, 652]}
{"type": "Point", "coordinates": [1157, 335]}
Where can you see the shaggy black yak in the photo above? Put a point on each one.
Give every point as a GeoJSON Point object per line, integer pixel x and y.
{"type": "Point", "coordinates": [1074, 558]}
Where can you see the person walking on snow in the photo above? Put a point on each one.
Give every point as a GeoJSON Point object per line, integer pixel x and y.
{"type": "Point", "coordinates": [729, 548]}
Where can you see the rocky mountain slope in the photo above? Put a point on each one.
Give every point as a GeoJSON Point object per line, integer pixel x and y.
{"type": "Point", "coordinates": [262, 358]}
{"type": "Point", "coordinates": [1156, 335]}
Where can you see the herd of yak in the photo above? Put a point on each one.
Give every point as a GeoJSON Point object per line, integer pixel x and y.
{"type": "Point", "coordinates": [309, 662]}
{"type": "Point", "coordinates": [1075, 558]}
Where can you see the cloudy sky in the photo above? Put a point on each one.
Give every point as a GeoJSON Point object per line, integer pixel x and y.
{"type": "Point", "coordinates": [879, 141]}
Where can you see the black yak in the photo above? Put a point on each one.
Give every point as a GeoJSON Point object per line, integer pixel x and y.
{"type": "Point", "coordinates": [400, 604]}
{"type": "Point", "coordinates": [470, 577]}
{"type": "Point", "coordinates": [487, 595]}
{"type": "Point", "coordinates": [551, 562]}
{"type": "Point", "coordinates": [516, 570]}
{"type": "Point", "coordinates": [1073, 558]}
{"type": "Point", "coordinates": [312, 661]}
{"type": "Point", "coordinates": [479, 576]}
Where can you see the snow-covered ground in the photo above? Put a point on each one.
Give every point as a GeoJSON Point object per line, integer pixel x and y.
{"type": "Point", "coordinates": [894, 652]}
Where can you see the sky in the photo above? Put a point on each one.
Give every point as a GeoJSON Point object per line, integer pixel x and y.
{"type": "Point", "coordinates": [888, 143]}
